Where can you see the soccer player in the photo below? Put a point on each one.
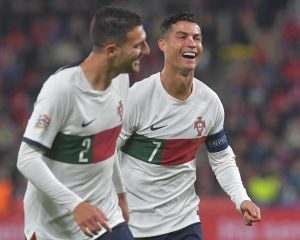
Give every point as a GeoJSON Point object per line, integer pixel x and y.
{"type": "Point", "coordinates": [69, 145]}
{"type": "Point", "coordinates": [169, 116]}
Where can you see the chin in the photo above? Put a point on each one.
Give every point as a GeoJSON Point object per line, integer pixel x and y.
{"type": "Point", "coordinates": [189, 65]}
{"type": "Point", "coordinates": [189, 68]}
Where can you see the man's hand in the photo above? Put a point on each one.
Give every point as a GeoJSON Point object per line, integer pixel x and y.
{"type": "Point", "coordinates": [251, 212]}
{"type": "Point", "coordinates": [90, 219]}
{"type": "Point", "coordinates": [123, 205]}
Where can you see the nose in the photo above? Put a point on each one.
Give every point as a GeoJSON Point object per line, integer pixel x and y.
{"type": "Point", "coordinates": [146, 49]}
{"type": "Point", "coordinates": [191, 41]}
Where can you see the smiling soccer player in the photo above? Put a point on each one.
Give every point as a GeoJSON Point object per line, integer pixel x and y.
{"type": "Point", "coordinates": [169, 116]}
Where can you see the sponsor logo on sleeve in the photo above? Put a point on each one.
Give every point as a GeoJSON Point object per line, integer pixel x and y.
{"type": "Point", "coordinates": [42, 122]}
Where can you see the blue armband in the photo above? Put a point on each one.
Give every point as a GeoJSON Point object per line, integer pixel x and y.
{"type": "Point", "coordinates": [216, 142]}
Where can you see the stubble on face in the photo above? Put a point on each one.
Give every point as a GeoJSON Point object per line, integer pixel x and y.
{"type": "Point", "coordinates": [133, 50]}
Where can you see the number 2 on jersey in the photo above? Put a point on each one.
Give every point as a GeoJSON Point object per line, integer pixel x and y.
{"type": "Point", "coordinates": [86, 143]}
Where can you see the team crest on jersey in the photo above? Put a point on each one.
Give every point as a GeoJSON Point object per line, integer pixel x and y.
{"type": "Point", "coordinates": [199, 125]}
{"type": "Point", "coordinates": [42, 122]}
{"type": "Point", "coordinates": [120, 110]}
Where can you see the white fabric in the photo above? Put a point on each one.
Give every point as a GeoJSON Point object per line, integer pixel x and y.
{"type": "Point", "coordinates": [162, 199]}
{"type": "Point", "coordinates": [31, 164]}
{"type": "Point", "coordinates": [227, 173]}
{"type": "Point", "coordinates": [117, 176]}
{"type": "Point", "coordinates": [68, 100]}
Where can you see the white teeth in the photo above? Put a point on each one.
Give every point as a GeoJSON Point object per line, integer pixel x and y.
{"type": "Point", "coordinates": [189, 55]}
{"type": "Point", "coordinates": [192, 54]}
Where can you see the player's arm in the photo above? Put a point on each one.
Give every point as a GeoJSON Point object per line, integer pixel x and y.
{"type": "Point", "coordinates": [124, 206]}
{"type": "Point", "coordinates": [117, 174]}
{"type": "Point", "coordinates": [131, 118]}
{"type": "Point", "coordinates": [222, 161]}
{"type": "Point", "coordinates": [126, 132]}
{"type": "Point", "coordinates": [32, 166]}
{"type": "Point", "coordinates": [227, 173]}
{"type": "Point", "coordinates": [120, 188]}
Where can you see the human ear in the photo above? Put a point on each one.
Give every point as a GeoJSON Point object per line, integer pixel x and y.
{"type": "Point", "coordinates": [161, 44]}
{"type": "Point", "coordinates": [111, 50]}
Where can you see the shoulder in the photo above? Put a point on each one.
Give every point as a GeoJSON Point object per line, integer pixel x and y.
{"type": "Point", "coordinates": [141, 93]}
{"type": "Point", "coordinates": [206, 92]}
{"type": "Point", "coordinates": [60, 83]}
{"type": "Point", "coordinates": [144, 88]}
{"type": "Point", "coordinates": [204, 89]}
{"type": "Point", "coordinates": [66, 77]}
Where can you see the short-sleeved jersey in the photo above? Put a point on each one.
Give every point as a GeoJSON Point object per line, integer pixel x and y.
{"type": "Point", "coordinates": [77, 127]}
{"type": "Point", "coordinates": [162, 135]}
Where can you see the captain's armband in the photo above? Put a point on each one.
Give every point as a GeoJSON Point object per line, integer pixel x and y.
{"type": "Point", "coordinates": [216, 142]}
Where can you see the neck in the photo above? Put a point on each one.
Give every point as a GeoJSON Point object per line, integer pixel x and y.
{"type": "Point", "coordinates": [178, 85]}
{"type": "Point", "coordinates": [97, 71]}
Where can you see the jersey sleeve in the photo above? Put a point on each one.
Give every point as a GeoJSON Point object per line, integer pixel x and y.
{"type": "Point", "coordinates": [219, 117]}
{"type": "Point", "coordinates": [227, 173]}
{"type": "Point", "coordinates": [222, 160]}
{"type": "Point", "coordinates": [31, 165]}
{"type": "Point", "coordinates": [130, 119]}
{"type": "Point", "coordinates": [48, 114]}
{"type": "Point", "coordinates": [117, 176]}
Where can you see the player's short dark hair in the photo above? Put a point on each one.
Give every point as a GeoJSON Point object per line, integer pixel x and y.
{"type": "Point", "coordinates": [181, 16]}
{"type": "Point", "coordinates": [112, 24]}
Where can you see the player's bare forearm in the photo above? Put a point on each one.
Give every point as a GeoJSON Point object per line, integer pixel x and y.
{"type": "Point", "coordinates": [251, 212]}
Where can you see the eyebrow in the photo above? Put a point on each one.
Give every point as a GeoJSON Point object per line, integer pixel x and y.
{"type": "Point", "coordinates": [185, 33]}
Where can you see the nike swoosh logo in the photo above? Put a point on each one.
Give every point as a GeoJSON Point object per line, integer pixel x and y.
{"type": "Point", "coordinates": [152, 128]}
{"type": "Point", "coordinates": [84, 124]}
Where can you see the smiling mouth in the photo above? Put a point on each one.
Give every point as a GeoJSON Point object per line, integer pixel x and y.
{"type": "Point", "coordinates": [189, 55]}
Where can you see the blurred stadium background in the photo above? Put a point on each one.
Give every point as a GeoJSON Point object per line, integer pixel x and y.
{"type": "Point", "coordinates": [251, 59]}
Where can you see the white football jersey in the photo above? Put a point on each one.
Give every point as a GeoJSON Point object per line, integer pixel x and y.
{"type": "Point", "coordinates": [159, 140]}
{"type": "Point", "coordinates": [77, 127]}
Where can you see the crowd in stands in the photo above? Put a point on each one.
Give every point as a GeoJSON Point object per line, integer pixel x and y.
{"type": "Point", "coordinates": [251, 59]}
